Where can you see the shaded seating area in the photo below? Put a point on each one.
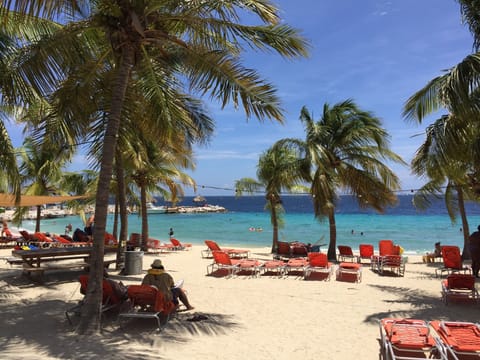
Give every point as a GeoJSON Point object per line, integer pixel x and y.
{"type": "Point", "coordinates": [147, 302]}
{"type": "Point", "coordinates": [459, 288]}
{"type": "Point", "coordinates": [318, 267]}
{"type": "Point", "coordinates": [213, 246]}
{"type": "Point", "coordinates": [345, 253]}
{"type": "Point", "coordinates": [452, 261]}
{"type": "Point", "coordinates": [404, 339]}
{"type": "Point", "coordinates": [112, 297]}
{"type": "Point", "coordinates": [461, 340]}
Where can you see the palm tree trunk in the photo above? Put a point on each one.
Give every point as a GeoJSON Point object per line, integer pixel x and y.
{"type": "Point", "coordinates": [274, 220]}
{"type": "Point", "coordinates": [39, 217]}
{"type": "Point", "coordinates": [332, 246]}
{"type": "Point", "coordinates": [122, 204]}
{"type": "Point", "coordinates": [115, 219]}
{"type": "Point", "coordinates": [466, 231]}
{"type": "Point", "coordinates": [143, 203]}
{"type": "Point", "coordinates": [91, 310]}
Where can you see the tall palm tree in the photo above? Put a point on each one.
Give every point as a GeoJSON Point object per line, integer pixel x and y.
{"type": "Point", "coordinates": [443, 159]}
{"type": "Point", "coordinates": [198, 41]}
{"type": "Point", "coordinates": [456, 91]}
{"type": "Point", "coordinates": [345, 149]}
{"type": "Point", "coordinates": [278, 169]}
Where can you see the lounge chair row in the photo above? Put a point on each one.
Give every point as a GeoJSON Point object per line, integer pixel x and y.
{"type": "Point", "coordinates": [367, 251]}
{"type": "Point", "coordinates": [404, 339]}
{"type": "Point", "coordinates": [157, 246]}
{"type": "Point", "coordinates": [314, 266]}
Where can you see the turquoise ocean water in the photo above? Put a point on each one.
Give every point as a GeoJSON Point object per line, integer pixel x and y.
{"type": "Point", "coordinates": [415, 231]}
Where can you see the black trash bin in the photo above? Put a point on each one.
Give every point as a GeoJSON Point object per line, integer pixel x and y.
{"type": "Point", "coordinates": [133, 262]}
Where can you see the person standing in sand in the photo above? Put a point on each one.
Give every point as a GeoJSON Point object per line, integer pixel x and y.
{"type": "Point", "coordinates": [474, 245]}
{"type": "Point", "coordinates": [89, 225]}
{"type": "Point", "coordinates": [163, 281]}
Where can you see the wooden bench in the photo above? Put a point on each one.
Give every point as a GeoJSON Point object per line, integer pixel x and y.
{"type": "Point", "coordinates": [29, 270]}
{"type": "Point", "coordinates": [12, 260]}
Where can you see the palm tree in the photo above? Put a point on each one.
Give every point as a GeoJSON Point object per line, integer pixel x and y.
{"type": "Point", "coordinates": [199, 42]}
{"type": "Point", "coordinates": [278, 169]}
{"type": "Point", "coordinates": [155, 170]}
{"type": "Point", "coordinates": [457, 91]}
{"type": "Point", "coordinates": [443, 159]}
{"type": "Point", "coordinates": [345, 149]}
{"type": "Point", "coordinates": [41, 170]}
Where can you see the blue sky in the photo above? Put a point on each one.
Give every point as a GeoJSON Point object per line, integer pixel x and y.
{"type": "Point", "coordinates": [376, 52]}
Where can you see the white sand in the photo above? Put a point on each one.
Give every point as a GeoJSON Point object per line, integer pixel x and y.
{"type": "Point", "coordinates": [248, 318]}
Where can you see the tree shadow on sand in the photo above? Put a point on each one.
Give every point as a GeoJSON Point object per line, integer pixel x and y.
{"type": "Point", "coordinates": [421, 306]}
{"type": "Point", "coordinates": [39, 326]}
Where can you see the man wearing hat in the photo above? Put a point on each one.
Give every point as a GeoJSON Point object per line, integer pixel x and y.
{"type": "Point", "coordinates": [156, 276]}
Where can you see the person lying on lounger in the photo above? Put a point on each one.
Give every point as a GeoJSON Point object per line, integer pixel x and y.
{"type": "Point", "coordinates": [163, 281]}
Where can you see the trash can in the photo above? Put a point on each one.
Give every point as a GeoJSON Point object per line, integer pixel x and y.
{"type": "Point", "coordinates": [133, 262]}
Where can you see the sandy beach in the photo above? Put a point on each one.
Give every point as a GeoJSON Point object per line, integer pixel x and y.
{"type": "Point", "coordinates": [259, 318]}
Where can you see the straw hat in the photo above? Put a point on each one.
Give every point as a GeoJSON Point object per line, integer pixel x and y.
{"type": "Point", "coordinates": [157, 264]}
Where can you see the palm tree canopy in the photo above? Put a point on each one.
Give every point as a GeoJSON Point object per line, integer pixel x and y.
{"type": "Point", "coordinates": [346, 148]}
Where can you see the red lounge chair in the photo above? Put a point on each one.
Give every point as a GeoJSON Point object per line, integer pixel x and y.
{"type": "Point", "coordinates": [408, 339]}
{"type": "Point", "coordinates": [318, 263]}
{"type": "Point", "coordinates": [65, 242]}
{"type": "Point", "coordinates": [110, 240]}
{"type": "Point", "coordinates": [284, 250]}
{"type": "Point", "coordinates": [276, 267]}
{"type": "Point", "coordinates": [155, 246]}
{"type": "Point", "coordinates": [386, 247]}
{"type": "Point", "coordinates": [295, 266]}
{"type": "Point", "coordinates": [392, 263]}
{"type": "Point", "coordinates": [133, 241]}
{"type": "Point", "coordinates": [177, 245]}
{"type": "Point", "coordinates": [452, 261]}
{"type": "Point", "coordinates": [345, 253]}
{"type": "Point", "coordinates": [460, 287]}
{"type": "Point", "coordinates": [223, 261]}
{"type": "Point", "coordinates": [148, 303]}
{"type": "Point", "coordinates": [250, 266]}
{"type": "Point", "coordinates": [461, 339]}
{"type": "Point", "coordinates": [233, 253]}
{"type": "Point", "coordinates": [110, 298]}
{"type": "Point", "coordinates": [366, 252]}
{"type": "Point", "coordinates": [348, 271]}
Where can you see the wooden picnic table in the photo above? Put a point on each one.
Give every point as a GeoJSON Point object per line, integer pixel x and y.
{"type": "Point", "coordinates": [34, 260]}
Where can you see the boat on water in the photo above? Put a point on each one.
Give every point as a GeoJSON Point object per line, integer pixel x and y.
{"type": "Point", "coordinates": [152, 209]}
